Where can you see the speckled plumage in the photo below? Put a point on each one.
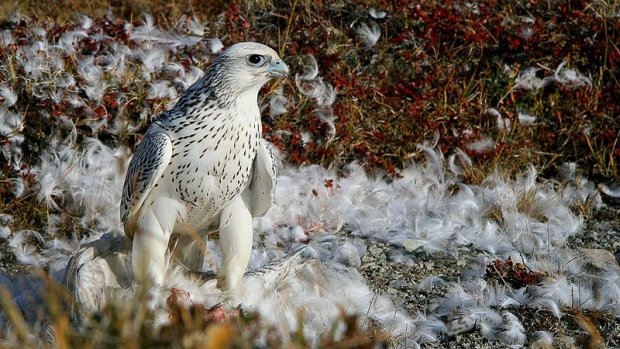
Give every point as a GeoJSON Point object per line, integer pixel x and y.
{"type": "Point", "coordinates": [203, 166]}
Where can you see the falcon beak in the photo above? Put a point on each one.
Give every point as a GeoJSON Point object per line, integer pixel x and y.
{"type": "Point", "coordinates": [278, 69]}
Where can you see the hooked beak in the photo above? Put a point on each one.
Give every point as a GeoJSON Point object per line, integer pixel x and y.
{"type": "Point", "coordinates": [278, 69]}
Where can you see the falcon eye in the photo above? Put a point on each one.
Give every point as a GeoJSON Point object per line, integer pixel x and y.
{"type": "Point", "coordinates": [256, 60]}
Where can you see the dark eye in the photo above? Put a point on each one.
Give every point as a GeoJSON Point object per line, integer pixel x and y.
{"type": "Point", "coordinates": [256, 59]}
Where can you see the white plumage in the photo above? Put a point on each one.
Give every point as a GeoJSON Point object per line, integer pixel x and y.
{"type": "Point", "coordinates": [203, 166]}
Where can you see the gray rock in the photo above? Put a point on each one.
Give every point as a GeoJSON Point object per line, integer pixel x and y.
{"type": "Point", "coordinates": [411, 245]}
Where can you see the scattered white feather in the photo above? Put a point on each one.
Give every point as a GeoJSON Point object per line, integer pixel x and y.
{"type": "Point", "coordinates": [33, 63]}
{"type": "Point", "coordinates": [527, 20]}
{"type": "Point", "coordinates": [604, 293]}
{"type": "Point", "coordinates": [513, 333]}
{"type": "Point", "coordinates": [570, 77]}
{"type": "Point", "coordinates": [215, 45]}
{"type": "Point", "coordinates": [26, 245]}
{"type": "Point", "coordinates": [369, 33]}
{"type": "Point", "coordinates": [87, 182]}
{"type": "Point", "coordinates": [150, 35]}
{"type": "Point", "coordinates": [185, 78]}
{"type": "Point", "coordinates": [6, 38]}
{"type": "Point", "coordinates": [542, 340]}
{"type": "Point", "coordinates": [312, 86]}
{"type": "Point", "coordinates": [311, 71]}
{"type": "Point", "coordinates": [491, 239]}
{"type": "Point", "coordinates": [328, 117]}
{"type": "Point", "coordinates": [49, 191]}
{"type": "Point", "coordinates": [483, 145]}
{"type": "Point", "coordinates": [91, 73]}
{"type": "Point", "coordinates": [567, 77]}
{"type": "Point", "coordinates": [5, 221]}
{"type": "Point", "coordinates": [162, 89]}
{"type": "Point", "coordinates": [116, 60]}
{"type": "Point", "coordinates": [376, 14]}
{"type": "Point", "coordinates": [466, 319]}
{"type": "Point", "coordinates": [349, 254]}
{"type": "Point", "coordinates": [8, 95]}
{"type": "Point", "coordinates": [278, 103]}
{"type": "Point", "coordinates": [12, 152]}
{"type": "Point", "coordinates": [526, 119]}
{"type": "Point", "coordinates": [552, 306]}
{"type": "Point", "coordinates": [16, 187]}
{"type": "Point", "coordinates": [306, 137]}
{"type": "Point", "coordinates": [193, 25]}
{"type": "Point", "coordinates": [327, 97]}
{"type": "Point", "coordinates": [526, 32]}
{"type": "Point", "coordinates": [489, 323]}
{"type": "Point", "coordinates": [312, 89]}
{"type": "Point", "coordinates": [85, 21]}
{"type": "Point", "coordinates": [428, 328]}
{"type": "Point", "coordinates": [502, 296]}
{"type": "Point", "coordinates": [503, 124]}
{"type": "Point", "coordinates": [456, 297]}
{"type": "Point", "coordinates": [70, 39]}
{"type": "Point", "coordinates": [559, 290]}
{"type": "Point", "coordinates": [459, 162]}
{"type": "Point", "coordinates": [527, 80]}
{"type": "Point", "coordinates": [611, 190]}
{"type": "Point", "coordinates": [152, 61]}
{"type": "Point", "coordinates": [10, 122]}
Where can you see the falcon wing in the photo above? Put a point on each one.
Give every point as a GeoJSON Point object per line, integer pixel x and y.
{"type": "Point", "coordinates": [258, 195]}
{"type": "Point", "coordinates": [146, 167]}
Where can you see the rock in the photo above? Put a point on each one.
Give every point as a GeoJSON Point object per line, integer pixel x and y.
{"type": "Point", "coordinates": [375, 250]}
{"type": "Point", "coordinates": [411, 245]}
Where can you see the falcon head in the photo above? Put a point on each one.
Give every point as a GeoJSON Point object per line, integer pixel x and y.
{"type": "Point", "coordinates": [249, 65]}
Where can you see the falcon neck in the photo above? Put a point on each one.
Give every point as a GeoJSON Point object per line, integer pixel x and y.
{"type": "Point", "coordinates": [216, 90]}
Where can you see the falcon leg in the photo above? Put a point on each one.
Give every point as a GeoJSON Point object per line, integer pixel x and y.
{"type": "Point", "coordinates": [236, 243]}
{"type": "Point", "coordinates": [190, 251]}
{"type": "Point", "coordinates": [150, 242]}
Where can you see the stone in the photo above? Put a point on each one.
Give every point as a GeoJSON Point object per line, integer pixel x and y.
{"type": "Point", "coordinates": [411, 245]}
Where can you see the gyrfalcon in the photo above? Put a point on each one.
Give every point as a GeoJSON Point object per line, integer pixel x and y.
{"type": "Point", "coordinates": [203, 166]}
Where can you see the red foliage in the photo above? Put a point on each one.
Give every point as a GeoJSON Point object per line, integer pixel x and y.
{"type": "Point", "coordinates": [517, 275]}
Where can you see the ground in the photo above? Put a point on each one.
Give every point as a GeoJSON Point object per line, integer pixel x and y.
{"type": "Point", "coordinates": [385, 274]}
{"type": "Point", "coordinates": [496, 86]}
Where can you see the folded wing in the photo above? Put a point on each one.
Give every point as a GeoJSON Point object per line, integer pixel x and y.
{"type": "Point", "coordinates": [145, 169]}
{"type": "Point", "coordinates": [258, 195]}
